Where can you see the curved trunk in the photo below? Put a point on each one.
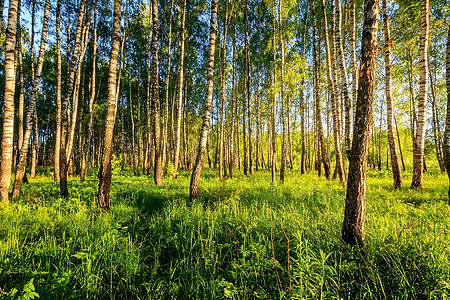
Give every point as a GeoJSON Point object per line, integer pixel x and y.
{"type": "Point", "coordinates": [195, 178]}
{"type": "Point", "coordinates": [419, 147]}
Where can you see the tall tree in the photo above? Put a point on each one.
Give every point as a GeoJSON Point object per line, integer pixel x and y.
{"type": "Point", "coordinates": [274, 100]}
{"type": "Point", "coordinates": [8, 111]}
{"type": "Point", "coordinates": [195, 178]}
{"type": "Point", "coordinates": [320, 139]}
{"type": "Point", "coordinates": [158, 169]}
{"type": "Point", "coordinates": [446, 143]}
{"type": "Point", "coordinates": [344, 77]}
{"type": "Point", "coordinates": [104, 184]}
{"type": "Point", "coordinates": [58, 92]}
{"type": "Point", "coordinates": [165, 144]}
{"type": "Point", "coordinates": [180, 94]}
{"type": "Point", "coordinates": [419, 147]}
{"type": "Point", "coordinates": [283, 100]}
{"type": "Point", "coordinates": [396, 171]}
{"type": "Point", "coordinates": [31, 107]}
{"type": "Point", "coordinates": [353, 226]}
{"type": "Point", "coordinates": [331, 72]}
{"type": "Point", "coordinates": [222, 165]}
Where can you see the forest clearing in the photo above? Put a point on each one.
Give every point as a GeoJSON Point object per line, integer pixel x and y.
{"type": "Point", "coordinates": [239, 149]}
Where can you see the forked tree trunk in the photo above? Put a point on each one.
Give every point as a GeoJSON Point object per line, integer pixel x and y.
{"type": "Point", "coordinates": [396, 171]}
{"type": "Point", "coordinates": [180, 95]}
{"type": "Point", "coordinates": [104, 185]}
{"type": "Point", "coordinates": [31, 108]}
{"type": "Point", "coordinates": [8, 111]}
{"type": "Point", "coordinates": [353, 226]}
{"type": "Point", "coordinates": [419, 147]}
{"type": "Point", "coordinates": [195, 178]}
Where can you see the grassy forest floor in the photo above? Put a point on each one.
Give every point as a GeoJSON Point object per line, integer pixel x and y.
{"type": "Point", "coordinates": [244, 238]}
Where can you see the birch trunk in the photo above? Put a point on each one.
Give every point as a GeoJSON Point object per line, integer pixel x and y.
{"type": "Point", "coordinates": [353, 226]}
{"type": "Point", "coordinates": [158, 169]}
{"type": "Point", "coordinates": [320, 137]}
{"type": "Point", "coordinates": [331, 72]}
{"type": "Point", "coordinates": [419, 147]}
{"type": "Point", "coordinates": [180, 94]}
{"type": "Point", "coordinates": [104, 185]}
{"type": "Point", "coordinates": [195, 178]}
{"type": "Point", "coordinates": [20, 172]}
{"type": "Point", "coordinates": [446, 143]}
{"type": "Point", "coordinates": [8, 111]}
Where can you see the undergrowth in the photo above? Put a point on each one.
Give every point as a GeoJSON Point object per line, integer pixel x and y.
{"type": "Point", "coordinates": [242, 239]}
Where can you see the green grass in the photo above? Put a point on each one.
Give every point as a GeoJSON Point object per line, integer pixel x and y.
{"type": "Point", "coordinates": [243, 239]}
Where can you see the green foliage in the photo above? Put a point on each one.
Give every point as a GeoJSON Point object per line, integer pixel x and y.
{"type": "Point", "coordinates": [243, 239]}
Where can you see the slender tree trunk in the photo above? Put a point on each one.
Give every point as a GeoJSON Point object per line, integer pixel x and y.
{"type": "Point", "coordinates": [396, 171]}
{"type": "Point", "coordinates": [166, 103]}
{"type": "Point", "coordinates": [274, 103]}
{"type": "Point", "coordinates": [31, 108]}
{"type": "Point", "coordinates": [195, 178]}
{"type": "Point", "coordinates": [283, 100]}
{"type": "Point", "coordinates": [418, 156]}
{"type": "Point", "coordinates": [344, 77]}
{"type": "Point", "coordinates": [35, 145]}
{"type": "Point", "coordinates": [353, 63]}
{"type": "Point", "coordinates": [104, 185]}
{"type": "Point", "coordinates": [21, 85]}
{"type": "Point", "coordinates": [8, 111]}
{"type": "Point", "coordinates": [180, 95]}
{"type": "Point", "coordinates": [58, 92]}
{"type": "Point", "coordinates": [321, 141]}
{"type": "Point", "coordinates": [446, 143]}
{"type": "Point", "coordinates": [331, 72]}
{"type": "Point", "coordinates": [353, 226]}
{"type": "Point", "coordinates": [158, 169]}
{"type": "Point", "coordinates": [435, 126]}
{"type": "Point", "coordinates": [222, 168]}
{"type": "Point", "coordinates": [233, 107]}
{"type": "Point", "coordinates": [65, 106]}
{"type": "Point", "coordinates": [88, 143]}
{"type": "Point", "coordinates": [248, 93]}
